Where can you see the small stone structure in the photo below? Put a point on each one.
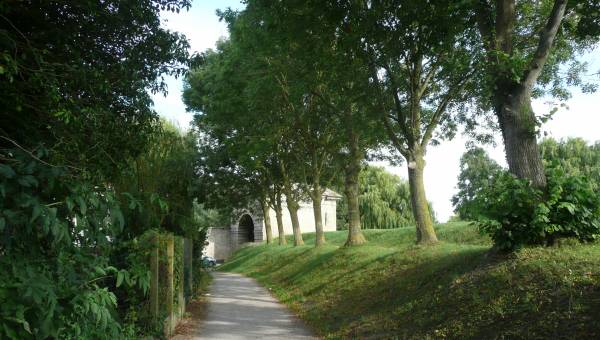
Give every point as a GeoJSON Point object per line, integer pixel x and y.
{"type": "Point", "coordinates": [248, 226]}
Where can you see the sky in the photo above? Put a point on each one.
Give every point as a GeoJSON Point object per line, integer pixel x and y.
{"type": "Point", "coordinates": [580, 118]}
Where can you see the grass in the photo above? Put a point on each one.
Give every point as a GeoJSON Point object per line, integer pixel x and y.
{"type": "Point", "coordinates": [390, 288]}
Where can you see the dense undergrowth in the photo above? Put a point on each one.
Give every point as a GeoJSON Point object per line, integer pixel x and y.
{"type": "Point", "coordinates": [460, 288]}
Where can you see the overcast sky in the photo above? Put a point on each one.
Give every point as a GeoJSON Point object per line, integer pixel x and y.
{"type": "Point", "coordinates": [581, 118]}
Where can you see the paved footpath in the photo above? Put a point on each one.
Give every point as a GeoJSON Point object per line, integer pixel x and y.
{"type": "Point", "coordinates": [239, 308]}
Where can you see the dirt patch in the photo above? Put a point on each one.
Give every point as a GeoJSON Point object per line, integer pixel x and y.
{"type": "Point", "coordinates": [188, 327]}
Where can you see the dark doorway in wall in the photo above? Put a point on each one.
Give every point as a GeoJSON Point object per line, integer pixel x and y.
{"type": "Point", "coordinates": [246, 229]}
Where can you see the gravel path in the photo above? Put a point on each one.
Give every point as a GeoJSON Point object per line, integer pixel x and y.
{"type": "Point", "coordinates": [239, 308]}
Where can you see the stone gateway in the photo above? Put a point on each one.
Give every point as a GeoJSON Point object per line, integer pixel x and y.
{"type": "Point", "coordinates": [248, 226]}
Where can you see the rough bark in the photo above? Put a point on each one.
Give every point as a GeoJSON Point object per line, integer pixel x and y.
{"type": "Point", "coordinates": [512, 99]}
{"type": "Point", "coordinates": [268, 230]}
{"type": "Point", "coordinates": [316, 201]}
{"type": "Point", "coordinates": [425, 232]}
{"type": "Point", "coordinates": [355, 235]}
{"type": "Point", "coordinates": [293, 207]}
{"type": "Point", "coordinates": [518, 125]}
{"type": "Point", "coordinates": [279, 217]}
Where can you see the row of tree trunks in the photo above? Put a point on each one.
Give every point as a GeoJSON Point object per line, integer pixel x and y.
{"type": "Point", "coordinates": [293, 206]}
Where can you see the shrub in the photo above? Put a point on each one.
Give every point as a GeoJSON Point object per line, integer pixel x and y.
{"type": "Point", "coordinates": [514, 213]}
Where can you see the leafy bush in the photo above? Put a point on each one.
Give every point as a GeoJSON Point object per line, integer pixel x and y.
{"type": "Point", "coordinates": [514, 213]}
{"type": "Point", "coordinates": [54, 230]}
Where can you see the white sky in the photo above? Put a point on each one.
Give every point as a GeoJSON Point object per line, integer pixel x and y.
{"type": "Point", "coordinates": [581, 118]}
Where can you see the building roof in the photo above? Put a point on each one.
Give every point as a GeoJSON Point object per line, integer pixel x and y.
{"type": "Point", "coordinates": [329, 194]}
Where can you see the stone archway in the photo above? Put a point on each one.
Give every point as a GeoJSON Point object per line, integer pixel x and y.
{"type": "Point", "coordinates": [245, 230]}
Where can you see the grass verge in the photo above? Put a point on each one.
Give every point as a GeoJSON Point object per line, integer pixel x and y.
{"type": "Point", "coordinates": [390, 288]}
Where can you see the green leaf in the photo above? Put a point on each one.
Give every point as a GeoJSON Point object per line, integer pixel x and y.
{"type": "Point", "coordinates": [37, 210]}
{"type": "Point", "coordinates": [70, 203]}
{"type": "Point", "coordinates": [100, 270]}
{"type": "Point", "coordinates": [118, 217]}
{"type": "Point", "coordinates": [120, 277]}
{"type": "Point", "coordinates": [82, 205]}
{"type": "Point", "coordinates": [20, 321]}
{"type": "Point", "coordinates": [7, 171]}
{"type": "Point", "coordinates": [28, 181]}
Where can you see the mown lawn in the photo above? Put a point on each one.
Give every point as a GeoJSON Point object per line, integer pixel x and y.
{"type": "Point", "coordinates": [390, 288]}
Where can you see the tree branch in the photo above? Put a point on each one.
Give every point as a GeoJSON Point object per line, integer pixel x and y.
{"type": "Point", "coordinates": [452, 93]}
{"type": "Point", "coordinates": [545, 44]}
{"type": "Point", "coordinates": [398, 104]}
{"type": "Point", "coordinates": [395, 140]}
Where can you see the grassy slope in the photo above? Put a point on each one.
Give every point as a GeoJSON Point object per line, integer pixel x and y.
{"type": "Point", "coordinates": [391, 288]}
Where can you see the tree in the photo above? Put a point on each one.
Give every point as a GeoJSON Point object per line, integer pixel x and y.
{"type": "Point", "coordinates": [477, 171]}
{"type": "Point", "coordinates": [301, 67]}
{"type": "Point", "coordinates": [419, 54]}
{"type": "Point", "coordinates": [156, 185]}
{"type": "Point", "coordinates": [76, 76]}
{"type": "Point", "coordinates": [243, 156]}
{"type": "Point", "coordinates": [75, 79]}
{"type": "Point", "coordinates": [384, 201]}
{"type": "Point", "coordinates": [575, 156]}
{"type": "Point", "coordinates": [332, 84]}
{"type": "Point", "coordinates": [526, 45]}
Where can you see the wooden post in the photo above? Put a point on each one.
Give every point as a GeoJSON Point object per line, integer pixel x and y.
{"type": "Point", "coordinates": [154, 242]}
{"type": "Point", "coordinates": [188, 251]}
{"type": "Point", "coordinates": [170, 288]}
{"type": "Point", "coordinates": [180, 287]}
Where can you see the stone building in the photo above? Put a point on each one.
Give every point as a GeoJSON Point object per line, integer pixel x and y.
{"type": "Point", "coordinates": [248, 226]}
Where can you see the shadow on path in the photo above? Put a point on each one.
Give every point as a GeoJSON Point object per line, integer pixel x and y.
{"type": "Point", "coordinates": [239, 308]}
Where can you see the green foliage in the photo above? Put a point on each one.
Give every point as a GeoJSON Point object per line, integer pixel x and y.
{"type": "Point", "coordinates": [514, 213]}
{"type": "Point", "coordinates": [156, 185]}
{"type": "Point", "coordinates": [76, 79]}
{"type": "Point", "coordinates": [78, 76]}
{"type": "Point", "coordinates": [477, 170]}
{"type": "Point", "coordinates": [384, 201]}
{"type": "Point", "coordinates": [575, 156]}
{"type": "Point", "coordinates": [54, 227]}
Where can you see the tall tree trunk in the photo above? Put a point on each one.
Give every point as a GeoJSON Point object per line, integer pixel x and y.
{"type": "Point", "coordinates": [355, 235]}
{"type": "Point", "coordinates": [512, 99]}
{"type": "Point", "coordinates": [293, 207]}
{"type": "Point", "coordinates": [425, 231]}
{"type": "Point", "coordinates": [518, 124]}
{"type": "Point", "coordinates": [317, 197]}
{"type": "Point", "coordinates": [279, 217]}
{"type": "Point", "coordinates": [267, 219]}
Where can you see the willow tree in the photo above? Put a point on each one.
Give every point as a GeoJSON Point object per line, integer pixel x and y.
{"type": "Point", "coordinates": [419, 54]}
{"type": "Point", "coordinates": [384, 200]}
{"type": "Point", "coordinates": [527, 44]}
